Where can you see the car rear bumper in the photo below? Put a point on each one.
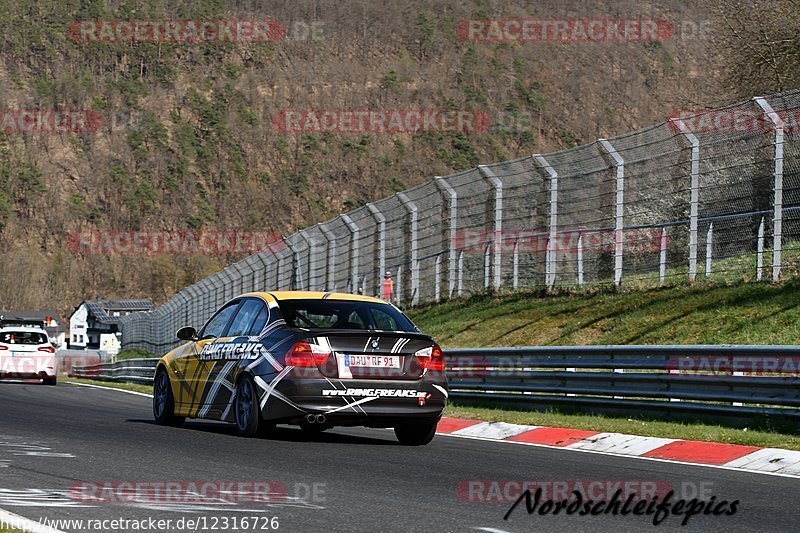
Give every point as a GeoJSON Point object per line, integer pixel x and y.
{"type": "Point", "coordinates": [27, 375]}
{"type": "Point", "coordinates": [374, 403]}
{"type": "Point", "coordinates": [27, 367]}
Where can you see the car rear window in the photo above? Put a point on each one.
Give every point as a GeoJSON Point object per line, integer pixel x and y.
{"type": "Point", "coordinates": [344, 314]}
{"type": "Point", "coordinates": [23, 337]}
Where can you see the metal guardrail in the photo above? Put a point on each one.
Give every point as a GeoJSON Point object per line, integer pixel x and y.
{"type": "Point", "coordinates": [67, 359]}
{"type": "Point", "coordinates": [127, 370]}
{"type": "Point", "coordinates": [740, 381]}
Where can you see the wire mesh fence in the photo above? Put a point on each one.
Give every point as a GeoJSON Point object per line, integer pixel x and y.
{"type": "Point", "coordinates": [708, 194]}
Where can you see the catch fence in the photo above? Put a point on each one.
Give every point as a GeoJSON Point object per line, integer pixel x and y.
{"type": "Point", "coordinates": [714, 194]}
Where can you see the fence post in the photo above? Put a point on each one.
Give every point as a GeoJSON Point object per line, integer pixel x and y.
{"type": "Point", "coordinates": [760, 252]}
{"type": "Point", "coordinates": [437, 290]}
{"type": "Point", "coordinates": [312, 259]}
{"type": "Point", "coordinates": [193, 318]}
{"type": "Point", "coordinates": [279, 273]}
{"type": "Point", "coordinates": [515, 273]}
{"type": "Point", "coordinates": [227, 288]}
{"type": "Point", "coordinates": [260, 272]}
{"type": "Point", "coordinates": [694, 198]}
{"type": "Point", "coordinates": [487, 266]}
{"type": "Point", "coordinates": [662, 260]}
{"type": "Point", "coordinates": [381, 220]}
{"type": "Point", "coordinates": [330, 274]}
{"type": "Point", "coordinates": [550, 255]}
{"type": "Point", "coordinates": [453, 218]}
{"type": "Point", "coordinates": [299, 282]}
{"type": "Point", "coordinates": [777, 216]}
{"type": "Point", "coordinates": [580, 260]}
{"type": "Point", "coordinates": [277, 262]}
{"type": "Point", "coordinates": [354, 248]}
{"type": "Point", "coordinates": [238, 284]}
{"type": "Point", "coordinates": [398, 286]}
{"type": "Point", "coordinates": [619, 208]}
{"type": "Point", "coordinates": [709, 248]}
{"type": "Point", "coordinates": [297, 275]}
{"type": "Point", "coordinates": [412, 210]}
{"type": "Point", "coordinates": [461, 273]}
{"type": "Point", "coordinates": [498, 221]}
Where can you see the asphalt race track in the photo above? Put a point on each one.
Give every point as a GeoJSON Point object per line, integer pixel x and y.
{"type": "Point", "coordinates": [53, 438]}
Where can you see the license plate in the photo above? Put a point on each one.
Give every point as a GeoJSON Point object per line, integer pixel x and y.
{"type": "Point", "coordinates": [372, 361]}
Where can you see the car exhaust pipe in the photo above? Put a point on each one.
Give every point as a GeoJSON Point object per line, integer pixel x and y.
{"type": "Point", "coordinates": [320, 419]}
{"type": "Point", "coordinates": [311, 419]}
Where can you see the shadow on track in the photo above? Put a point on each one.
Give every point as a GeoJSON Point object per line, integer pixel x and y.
{"type": "Point", "coordinates": [281, 433]}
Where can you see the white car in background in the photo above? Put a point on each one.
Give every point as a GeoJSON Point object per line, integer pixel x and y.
{"type": "Point", "coordinates": [26, 353]}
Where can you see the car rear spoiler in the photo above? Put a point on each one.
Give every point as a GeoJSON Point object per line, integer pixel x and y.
{"type": "Point", "coordinates": [22, 322]}
{"type": "Point", "coordinates": [334, 332]}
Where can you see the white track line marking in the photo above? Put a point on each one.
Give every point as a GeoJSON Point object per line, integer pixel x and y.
{"type": "Point", "coordinates": [491, 529]}
{"type": "Point", "coordinates": [25, 524]}
{"type": "Point", "coordinates": [110, 388]}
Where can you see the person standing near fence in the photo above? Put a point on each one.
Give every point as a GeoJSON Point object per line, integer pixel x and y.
{"type": "Point", "coordinates": [388, 286]}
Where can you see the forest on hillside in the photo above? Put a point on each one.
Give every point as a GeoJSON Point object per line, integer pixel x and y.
{"type": "Point", "coordinates": [187, 136]}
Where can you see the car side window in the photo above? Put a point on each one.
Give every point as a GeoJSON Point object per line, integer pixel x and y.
{"type": "Point", "coordinates": [245, 317]}
{"type": "Point", "coordinates": [216, 326]}
{"type": "Point", "coordinates": [259, 322]}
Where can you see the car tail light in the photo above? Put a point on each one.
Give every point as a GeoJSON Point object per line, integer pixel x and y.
{"type": "Point", "coordinates": [3, 347]}
{"type": "Point", "coordinates": [431, 358]}
{"type": "Point", "coordinates": [48, 349]}
{"type": "Point", "coordinates": [305, 354]}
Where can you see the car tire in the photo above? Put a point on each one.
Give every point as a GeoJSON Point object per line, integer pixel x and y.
{"type": "Point", "coordinates": [247, 411]}
{"type": "Point", "coordinates": [417, 433]}
{"type": "Point", "coordinates": [164, 402]}
{"type": "Point", "coordinates": [49, 381]}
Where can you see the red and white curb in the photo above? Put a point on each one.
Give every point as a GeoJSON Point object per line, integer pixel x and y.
{"type": "Point", "coordinates": [730, 456]}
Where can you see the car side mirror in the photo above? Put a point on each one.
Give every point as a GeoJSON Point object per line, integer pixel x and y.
{"type": "Point", "coordinates": [187, 333]}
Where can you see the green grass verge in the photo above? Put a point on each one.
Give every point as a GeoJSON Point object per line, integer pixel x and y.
{"type": "Point", "coordinates": [704, 313]}
{"type": "Point", "coordinates": [112, 384]}
{"type": "Point", "coordinates": [766, 436]}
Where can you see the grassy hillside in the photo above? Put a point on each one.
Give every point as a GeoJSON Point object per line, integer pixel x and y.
{"type": "Point", "coordinates": [188, 142]}
{"type": "Point", "coordinates": [702, 314]}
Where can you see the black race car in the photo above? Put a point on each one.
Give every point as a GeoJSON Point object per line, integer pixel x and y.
{"type": "Point", "coordinates": [313, 359]}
